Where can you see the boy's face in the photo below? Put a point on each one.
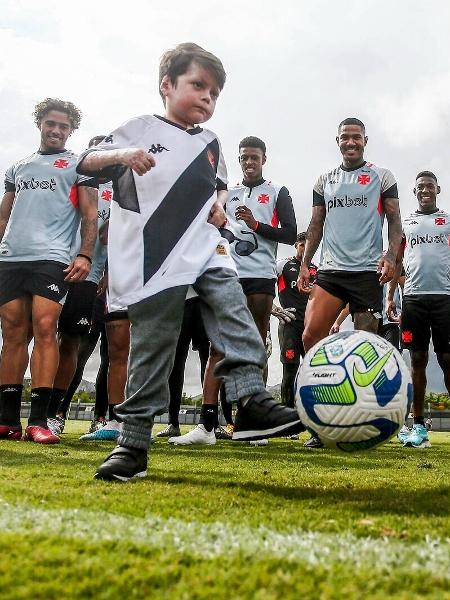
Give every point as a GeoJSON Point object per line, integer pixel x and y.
{"type": "Point", "coordinates": [192, 98]}
{"type": "Point", "coordinates": [251, 161]}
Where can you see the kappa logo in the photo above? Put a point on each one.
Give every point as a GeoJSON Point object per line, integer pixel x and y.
{"type": "Point", "coordinates": [293, 269]}
{"type": "Point", "coordinates": [61, 163]}
{"type": "Point", "coordinates": [53, 287]}
{"type": "Point", "coordinates": [363, 179]}
{"type": "Point", "coordinates": [234, 199]}
{"type": "Point", "coordinates": [263, 199]}
{"type": "Point", "coordinates": [83, 321]}
{"type": "Point", "coordinates": [157, 149]}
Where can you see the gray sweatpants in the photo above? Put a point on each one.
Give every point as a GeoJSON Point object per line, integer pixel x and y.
{"type": "Point", "coordinates": [154, 332]}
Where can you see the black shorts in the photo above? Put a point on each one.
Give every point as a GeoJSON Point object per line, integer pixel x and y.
{"type": "Point", "coordinates": [76, 315]}
{"type": "Point", "coordinates": [391, 333]}
{"type": "Point", "coordinates": [116, 315]}
{"type": "Point", "coordinates": [291, 345]}
{"type": "Point", "coordinates": [258, 285]}
{"type": "Point", "coordinates": [425, 315]}
{"type": "Point", "coordinates": [98, 313]}
{"type": "Point", "coordinates": [360, 289]}
{"type": "Point", "coordinates": [43, 278]}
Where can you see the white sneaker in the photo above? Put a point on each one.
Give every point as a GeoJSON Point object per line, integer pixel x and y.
{"type": "Point", "coordinates": [55, 426]}
{"type": "Point", "coordinates": [263, 442]}
{"type": "Point", "coordinates": [198, 435]}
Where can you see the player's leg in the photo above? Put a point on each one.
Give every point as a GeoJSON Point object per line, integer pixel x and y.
{"type": "Point", "coordinates": [118, 336]}
{"type": "Point", "coordinates": [291, 350]}
{"type": "Point", "coordinates": [15, 318]}
{"type": "Point", "coordinates": [73, 324]}
{"type": "Point", "coordinates": [43, 366]}
{"type": "Point", "coordinates": [365, 296]}
{"type": "Point", "coordinates": [155, 328]}
{"type": "Point", "coordinates": [203, 433]}
{"type": "Point", "coordinates": [232, 331]}
{"type": "Point", "coordinates": [440, 331]}
{"type": "Point", "coordinates": [176, 380]}
{"type": "Point", "coordinates": [416, 330]}
{"type": "Point", "coordinates": [321, 311]}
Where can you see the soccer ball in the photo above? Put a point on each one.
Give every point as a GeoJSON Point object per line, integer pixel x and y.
{"type": "Point", "coordinates": [353, 390]}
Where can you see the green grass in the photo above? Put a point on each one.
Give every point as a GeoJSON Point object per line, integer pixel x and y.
{"type": "Point", "coordinates": [229, 521]}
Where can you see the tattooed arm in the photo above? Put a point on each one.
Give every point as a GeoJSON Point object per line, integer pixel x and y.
{"type": "Point", "coordinates": [80, 266]}
{"type": "Point", "coordinates": [386, 266]}
{"type": "Point", "coordinates": [313, 238]}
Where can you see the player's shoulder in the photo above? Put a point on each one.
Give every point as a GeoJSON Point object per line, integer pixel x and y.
{"type": "Point", "coordinates": [380, 171]}
{"type": "Point", "coordinates": [331, 176]}
{"type": "Point", "coordinates": [27, 159]}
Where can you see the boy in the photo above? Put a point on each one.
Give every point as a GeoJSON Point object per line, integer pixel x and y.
{"type": "Point", "coordinates": [164, 237]}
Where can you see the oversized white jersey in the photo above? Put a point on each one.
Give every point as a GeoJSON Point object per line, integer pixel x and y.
{"type": "Point", "coordinates": [427, 253]}
{"type": "Point", "coordinates": [159, 236]}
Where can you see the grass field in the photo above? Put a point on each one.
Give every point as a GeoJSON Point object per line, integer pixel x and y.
{"type": "Point", "coordinates": [226, 521]}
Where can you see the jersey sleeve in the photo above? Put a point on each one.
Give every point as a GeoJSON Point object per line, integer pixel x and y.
{"type": "Point", "coordinates": [222, 175]}
{"type": "Point", "coordinates": [280, 265]}
{"type": "Point", "coordinates": [85, 181]}
{"type": "Point", "coordinates": [318, 192]}
{"type": "Point", "coordinates": [287, 232]}
{"type": "Point", "coordinates": [388, 185]}
{"type": "Point", "coordinates": [126, 136]}
{"type": "Point", "coordinates": [10, 184]}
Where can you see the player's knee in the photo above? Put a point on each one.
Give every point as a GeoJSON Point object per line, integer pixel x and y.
{"type": "Point", "coordinates": [44, 327]}
{"type": "Point", "coordinates": [366, 321]}
{"type": "Point", "coordinates": [419, 360]}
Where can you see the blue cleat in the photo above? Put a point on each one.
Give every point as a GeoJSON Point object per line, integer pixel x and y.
{"type": "Point", "coordinates": [418, 437]}
{"type": "Point", "coordinates": [403, 434]}
{"type": "Point", "coordinates": [109, 433]}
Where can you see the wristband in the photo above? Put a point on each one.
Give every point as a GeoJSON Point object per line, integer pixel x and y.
{"type": "Point", "coordinates": [86, 257]}
{"type": "Point", "coordinates": [256, 226]}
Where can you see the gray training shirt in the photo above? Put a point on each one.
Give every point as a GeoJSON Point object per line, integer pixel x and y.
{"type": "Point", "coordinates": [352, 235]}
{"type": "Point", "coordinates": [44, 216]}
{"type": "Point", "coordinates": [426, 255]}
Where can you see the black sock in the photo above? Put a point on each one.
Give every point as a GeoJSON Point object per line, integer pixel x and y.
{"type": "Point", "coordinates": [419, 420]}
{"type": "Point", "coordinates": [208, 416]}
{"type": "Point", "coordinates": [55, 401]}
{"type": "Point", "coordinates": [112, 415]}
{"type": "Point", "coordinates": [40, 399]}
{"type": "Point", "coordinates": [10, 399]}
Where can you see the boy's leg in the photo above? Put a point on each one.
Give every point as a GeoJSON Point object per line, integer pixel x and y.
{"type": "Point", "coordinates": [233, 333]}
{"type": "Point", "coordinates": [155, 327]}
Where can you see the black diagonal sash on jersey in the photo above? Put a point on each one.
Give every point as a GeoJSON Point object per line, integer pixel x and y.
{"type": "Point", "coordinates": [174, 215]}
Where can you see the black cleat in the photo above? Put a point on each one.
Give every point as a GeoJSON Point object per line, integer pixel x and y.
{"type": "Point", "coordinates": [262, 417]}
{"type": "Point", "coordinates": [313, 442]}
{"type": "Point", "coordinates": [123, 464]}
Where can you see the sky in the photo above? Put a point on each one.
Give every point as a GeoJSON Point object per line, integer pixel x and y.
{"type": "Point", "coordinates": [295, 69]}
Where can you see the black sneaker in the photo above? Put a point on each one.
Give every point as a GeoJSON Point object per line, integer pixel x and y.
{"type": "Point", "coordinates": [313, 442]}
{"type": "Point", "coordinates": [262, 417]}
{"type": "Point", "coordinates": [123, 464]}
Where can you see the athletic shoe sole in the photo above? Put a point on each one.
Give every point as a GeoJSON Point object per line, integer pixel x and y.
{"type": "Point", "coordinates": [100, 436]}
{"type": "Point", "coordinates": [286, 429]}
{"type": "Point", "coordinates": [121, 478]}
{"type": "Point", "coordinates": [424, 444]}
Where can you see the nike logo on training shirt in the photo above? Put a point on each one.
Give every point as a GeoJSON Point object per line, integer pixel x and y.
{"type": "Point", "coordinates": [365, 378]}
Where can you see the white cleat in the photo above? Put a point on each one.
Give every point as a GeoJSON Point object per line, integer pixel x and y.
{"type": "Point", "coordinates": [263, 442]}
{"type": "Point", "coordinates": [198, 435]}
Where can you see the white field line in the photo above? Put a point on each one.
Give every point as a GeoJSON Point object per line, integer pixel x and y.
{"type": "Point", "coordinates": [208, 541]}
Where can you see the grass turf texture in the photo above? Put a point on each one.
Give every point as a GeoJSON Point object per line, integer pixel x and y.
{"type": "Point", "coordinates": [226, 521]}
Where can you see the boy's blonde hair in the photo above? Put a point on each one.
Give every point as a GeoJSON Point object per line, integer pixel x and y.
{"type": "Point", "coordinates": [176, 62]}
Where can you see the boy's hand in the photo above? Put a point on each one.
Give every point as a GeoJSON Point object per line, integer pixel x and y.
{"type": "Point", "coordinates": [217, 216]}
{"type": "Point", "coordinates": [243, 213]}
{"type": "Point", "coordinates": [137, 159]}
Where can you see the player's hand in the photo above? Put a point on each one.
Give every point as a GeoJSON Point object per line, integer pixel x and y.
{"type": "Point", "coordinates": [284, 315]}
{"type": "Point", "coordinates": [103, 233]}
{"type": "Point", "coordinates": [303, 282]}
{"type": "Point", "coordinates": [137, 159]}
{"type": "Point", "coordinates": [391, 312]}
{"type": "Point", "coordinates": [78, 269]}
{"type": "Point", "coordinates": [243, 213]}
{"type": "Point", "coordinates": [102, 284]}
{"type": "Point", "coordinates": [386, 268]}
{"type": "Point", "coordinates": [334, 328]}
{"type": "Point", "coordinates": [217, 216]}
